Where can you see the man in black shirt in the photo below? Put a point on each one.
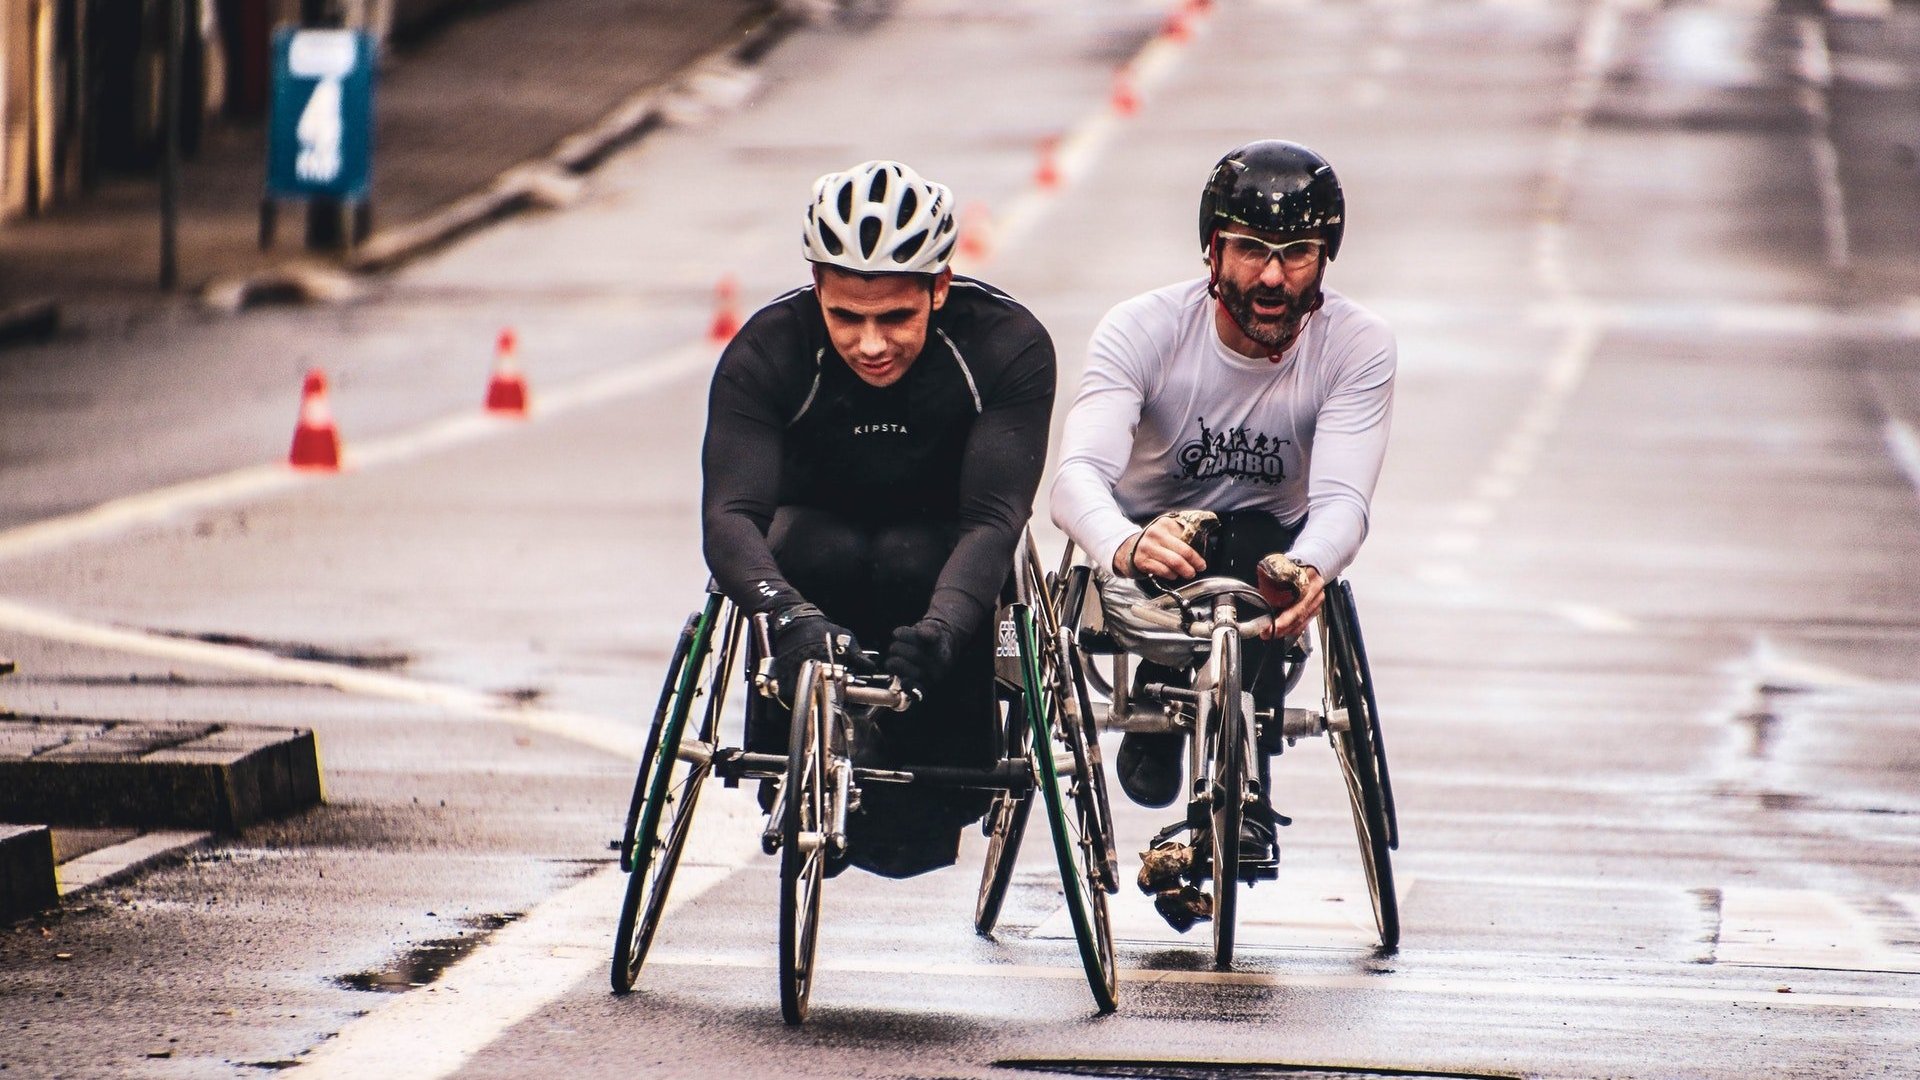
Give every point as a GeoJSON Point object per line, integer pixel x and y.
{"type": "Point", "coordinates": [873, 446]}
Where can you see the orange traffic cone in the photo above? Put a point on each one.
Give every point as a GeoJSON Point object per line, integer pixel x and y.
{"type": "Point", "coordinates": [316, 443]}
{"type": "Point", "coordinates": [976, 232]}
{"type": "Point", "coordinates": [1048, 174]}
{"type": "Point", "coordinates": [507, 390]}
{"type": "Point", "coordinates": [1175, 28]}
{"type": "Point", "coordinates": [726, 319]}
{"type": "Point", "coordinates": [1199, 7]}
{"type": "Point", "coordinates": [1125, 101]}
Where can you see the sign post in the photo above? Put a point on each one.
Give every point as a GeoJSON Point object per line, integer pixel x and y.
{"type": "Point", "coordinates": [320, 124]}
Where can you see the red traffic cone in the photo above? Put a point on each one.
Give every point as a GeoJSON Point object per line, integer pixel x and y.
{"type": "Point", "coordinates": [1125, 101]}
{"type": "Point", "coordinates": [976, 232]}
{"type": "Point", "coordinates": [726, 320]}
{"type": "Point", "coordinates": [1199, 7]}
{"type": "Point", "coordinates": [1048, 174]}
{"type": "Point", "coordinates": [1175, 28]}
{"type": "Point", "coordinates": [507, 390]}
{"type": "Point", "coordinates": [316, 443]}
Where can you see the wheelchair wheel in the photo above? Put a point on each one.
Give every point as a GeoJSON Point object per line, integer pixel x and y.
{"type": "Point", "coordinates": [668, 787]}
{"type": "Point", "coordinates": [1362, 761]}
{"type": "Point", "coordinates": [1070, 594]}
{"type": "Point", "coordinates": [1073, 812]}
{"type": "Point", "coordinates": [803, 849]}
{"type": "Point", "coordinates": [1006, 823]}
{"type": "Point", "coordinates": [1226, 736]}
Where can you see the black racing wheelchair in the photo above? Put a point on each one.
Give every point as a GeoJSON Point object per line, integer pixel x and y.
{"type": "Point", "coordinates": [1048, 744]}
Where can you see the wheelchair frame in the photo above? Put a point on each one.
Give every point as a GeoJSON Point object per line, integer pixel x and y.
{"type": "Point", "coordinates": [1229, 732]}
{"type": "Point", "coordinates": [1048, 745]}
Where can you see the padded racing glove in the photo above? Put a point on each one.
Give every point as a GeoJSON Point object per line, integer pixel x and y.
{"type": "Point", "coordinates": [920, 655]}
{"type": "Point", "coordinates": [802, 633]}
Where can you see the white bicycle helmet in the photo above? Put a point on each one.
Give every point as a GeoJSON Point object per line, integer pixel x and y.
{"type": "Point", "coordinates": [881, 217]}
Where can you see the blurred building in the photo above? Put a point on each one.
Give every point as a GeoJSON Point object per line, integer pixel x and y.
{"type": "Point", "coordinates": [81, 80]}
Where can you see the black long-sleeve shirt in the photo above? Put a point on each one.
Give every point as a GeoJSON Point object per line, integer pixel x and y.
{"type": "Point", "coordinates": [961, 438]}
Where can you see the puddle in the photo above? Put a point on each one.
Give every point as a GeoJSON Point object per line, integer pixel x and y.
{"type": "Point", "coordinates": [427, 961]}
{"type": "Point", "coordinates": [298, 650]}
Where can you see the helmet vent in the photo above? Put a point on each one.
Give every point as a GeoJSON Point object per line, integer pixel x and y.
{"type": "Point", "coordinates": [869, 235]}
{"type": "Point", "coordinates": [845, 202]}
{"type": "Point", "coordinates": [909, 202]}
{"type": "Point", "coordinates": [905, 250]}
{"type": "Point", "coordinates": [830, 241]}
{"type": "Point", "coordinates": [877, 191]}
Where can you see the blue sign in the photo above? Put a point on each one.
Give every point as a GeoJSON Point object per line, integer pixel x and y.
{"type": "Point", "coordinates": [320, 126]}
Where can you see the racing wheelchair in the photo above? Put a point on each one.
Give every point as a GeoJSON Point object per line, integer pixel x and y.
{"type": "Point", "coordinates": [1199, 626]}
{"type": "Point", "coordinates": [1047, 744]}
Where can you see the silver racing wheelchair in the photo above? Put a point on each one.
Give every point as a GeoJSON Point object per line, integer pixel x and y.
{"type": "Point", "coordinates": [1047, 744]}
{"type": "Point", "coordinates": [1199, 627]}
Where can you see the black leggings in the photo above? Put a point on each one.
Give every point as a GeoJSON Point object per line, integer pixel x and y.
{"type": "Point", "coordinates": [872, 577]}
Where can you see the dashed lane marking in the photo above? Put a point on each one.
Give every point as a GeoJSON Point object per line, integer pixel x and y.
{"type": "Point", "coordinates": [263, 481]}
{"type": "Point", "coordinates": [1800, 928]}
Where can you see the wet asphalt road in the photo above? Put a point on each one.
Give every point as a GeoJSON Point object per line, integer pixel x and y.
{"type": "Point", "coordinates": [1637, 593]}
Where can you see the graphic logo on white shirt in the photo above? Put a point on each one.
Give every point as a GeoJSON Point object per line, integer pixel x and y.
{"type": "Point", "coordinates": [1232, 454]}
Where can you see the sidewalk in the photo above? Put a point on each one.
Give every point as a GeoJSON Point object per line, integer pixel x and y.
{"type": "Point", "coordinates": [506, 85]}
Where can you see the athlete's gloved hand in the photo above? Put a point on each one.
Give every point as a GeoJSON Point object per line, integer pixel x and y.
{"type": "Point", "coordinates": [921, 655]}
{"type": "Point", "coordinates": [802, 633]}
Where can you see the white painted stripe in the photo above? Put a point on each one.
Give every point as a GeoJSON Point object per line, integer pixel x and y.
{"type": "Point", "coordinates": [262, 481]}
{"type": "Point", "coordinates": [1816, 68]}
{"type": "Point", "coordinates": [1396, 983]}
{"type": "Point", "coordinates": [612, 736]}
{"type": "Point", "coordinates": [1589, 617]}
{"type": "Point", "coordinates": [95, 866]}
{"type": "Point", "coordinates": [564, 940]}
{"type": "Point", "coordinates": [1800, 928]}
{"type": "Point", "coordinates": [1904, 445]}
{"type": "Point", "coordinates": [1865, 9]}
{"type": "Point", "coordinates": [1079, 150]}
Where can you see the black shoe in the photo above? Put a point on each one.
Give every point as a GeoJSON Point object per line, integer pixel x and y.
{"type": "Point", "coordinates": [1257, 837]}
{"type": "Point", "coordinates": [1149, 766]}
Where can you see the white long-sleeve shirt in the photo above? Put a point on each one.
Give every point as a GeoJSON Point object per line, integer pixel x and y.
{"type": "Point", "coordinates": [1169, 418]}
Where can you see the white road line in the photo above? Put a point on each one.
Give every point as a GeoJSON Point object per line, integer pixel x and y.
{"type": "Point", "coordinates": [1864, 9]}
{"type": "Point", "coordinates": [1078, 150]}
{"type": "Point", "coordinates": [262, 481]}
{"type": "Point", "coordinates": [1396, 983]}
{"type": "Point", "coordinates": [1589, 617]}
{"type": "Point", "coordinates": [1800, 928]}
{"type": "Point", "coordinates": [563, 941]}
{"type": "Point", "coordinates": [1904, 445]}
{"type": "Point", "coordinates": [96, 866]}
{"type": "Point", "coordinates": [612, 736]}
{"type": "Point", "coordinates": [1816, 72]}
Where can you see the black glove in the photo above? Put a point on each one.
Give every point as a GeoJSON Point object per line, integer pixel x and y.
{"type": "Point", "coordinates": [802, 633]}
{"type": "Point", "coordinates": [920, 655]}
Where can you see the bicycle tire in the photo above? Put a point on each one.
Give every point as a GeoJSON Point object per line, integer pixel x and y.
{"type": "Point", "coordinates": [802, 865]}
{"type": "Point", "coordinates": [1229, 781]}
{"type": "Point", "coordinates": [1355, 750]}
{"type": "Point", "coordinates": [667, 788]}
{"type": "Point", "coordinates": [1006, 826]}
{"type": "Point", "coordinates": [1080, 878]}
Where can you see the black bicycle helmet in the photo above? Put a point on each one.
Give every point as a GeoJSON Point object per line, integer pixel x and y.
{"type": "Point", "coordinates": [1278, 186]}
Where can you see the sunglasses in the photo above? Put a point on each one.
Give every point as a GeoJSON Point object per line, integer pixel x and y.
{"type": "Point", "coordinates": [1253, 251]}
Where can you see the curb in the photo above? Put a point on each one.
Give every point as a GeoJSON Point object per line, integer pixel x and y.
{"type": "Point", "coordinates": [185, 775]}
{"type": "Point", "coordinates": [548, 182]}
{"type": "Point", "coordinates": [28, 882]}
{"type": "Point", "coordinates": [35, 320]}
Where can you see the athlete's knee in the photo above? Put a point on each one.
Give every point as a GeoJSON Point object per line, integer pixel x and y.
{"type": "Point", "coordinates": [909, 557]}
{"type": "Point", "coordinates": [818, 549]}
